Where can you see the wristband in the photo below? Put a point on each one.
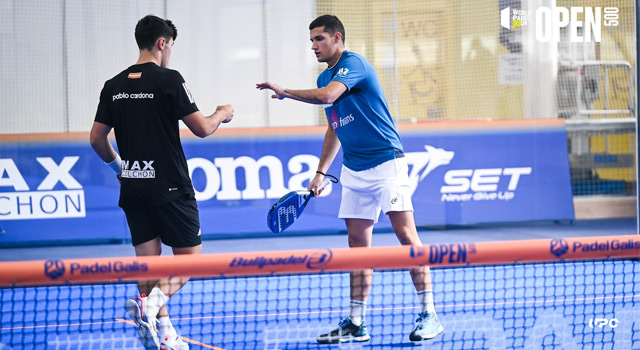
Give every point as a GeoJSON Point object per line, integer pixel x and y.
{"type": "Point", "coordinates": [116, 165]}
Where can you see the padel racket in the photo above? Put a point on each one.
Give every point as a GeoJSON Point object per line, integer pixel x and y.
{"type": "Point", "coordinates": [287, 209]}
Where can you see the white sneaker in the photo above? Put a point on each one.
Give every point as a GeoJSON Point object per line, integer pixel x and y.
{"type": "Point", "coordinates": [427, 327]}
{"type": "Point", "coordinates": [173, 342]}
{"type": "Point", "coordinates": [136, 308]}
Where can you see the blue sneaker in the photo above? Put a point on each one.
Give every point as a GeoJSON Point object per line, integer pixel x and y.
{"type": "Point", "coordinates": [427, 327]}
{"type": "Point", "coordinates": [346, 332]}
{"type": "Point", "coordinates": [146, 325]}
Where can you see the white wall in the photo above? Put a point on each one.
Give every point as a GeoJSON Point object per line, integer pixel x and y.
{"type": "Point", "coordinates": [56, 56]}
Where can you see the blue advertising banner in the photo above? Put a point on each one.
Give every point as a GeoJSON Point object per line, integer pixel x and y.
{"type": "Point", "coordinates": [55, 190]}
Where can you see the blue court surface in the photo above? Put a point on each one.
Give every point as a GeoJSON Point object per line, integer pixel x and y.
{"type": "Point", "coordinates": [566, 305]}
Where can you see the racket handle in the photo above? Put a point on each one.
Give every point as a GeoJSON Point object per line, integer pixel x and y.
{"type": "Point", "coordinates": [325, 183]}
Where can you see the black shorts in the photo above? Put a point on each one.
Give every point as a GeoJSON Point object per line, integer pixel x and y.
{"type": "Point", "coordinates": [177, 223]}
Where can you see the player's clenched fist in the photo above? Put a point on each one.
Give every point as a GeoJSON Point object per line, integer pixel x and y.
{"type": "Point", "coordinates": [227, 112]}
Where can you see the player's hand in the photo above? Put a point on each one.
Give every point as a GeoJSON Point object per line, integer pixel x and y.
{"type": "Point", "coordinates": [227, 112]}
{"type": "Point", "coordinates": [316, 185]}
{"type": "Point", "coordinates": [278, 91]}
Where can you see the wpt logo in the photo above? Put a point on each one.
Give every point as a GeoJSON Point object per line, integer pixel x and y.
{"type": "Point", "coordinates": [602, 322]}
{"type": "Point", "coordinates": [559, 247]}
{"type": "Point", "coordinates": [519, 18]}
{"type": "Point", "coordinates": [583, 23]}
{"type": "Point", "coordinates": [54, 269]}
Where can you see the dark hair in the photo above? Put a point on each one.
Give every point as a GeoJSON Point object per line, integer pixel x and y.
{"type": "Point", "coordinates": [150, 28]}
{"type": "Point", "coordinates": [330, 23]}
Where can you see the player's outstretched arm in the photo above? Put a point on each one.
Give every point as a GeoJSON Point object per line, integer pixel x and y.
{"type": "Point", "coordinates": [324, 95]}
{"type": "Point", "coordinates": [202, 126]}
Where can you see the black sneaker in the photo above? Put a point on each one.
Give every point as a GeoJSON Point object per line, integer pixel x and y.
{"type": "Point", "coordinates": [346, 332]}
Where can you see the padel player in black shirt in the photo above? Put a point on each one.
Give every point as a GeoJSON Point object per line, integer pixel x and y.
{"type": "Point", "coordinates": [144, 104]}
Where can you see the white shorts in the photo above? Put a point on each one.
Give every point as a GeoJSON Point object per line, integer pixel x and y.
{"type": "Point", "coordinates": [384, 187]}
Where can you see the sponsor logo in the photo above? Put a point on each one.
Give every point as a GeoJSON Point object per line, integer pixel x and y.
{"type": "Point", "coordinates": [110, 267]}
{"type": "Point", "coordinates": [186, 89]}
{"type": "Point", "coordinates": [338, 122]}
{"type": "Point", "coordinates": [394, 200]}
{"type": "Point", "coordinates": [124, 95]}
{"type": "Point", "coordinates": [423, 163]}
{"type": "Point", "coordinates": [59, 194]}
{"type": "Point", "coordinates": [315, 261]}
{"type": "Point", "coordinates": [559, 247]}
{"type": "Point", "coordinates": [137, 75]}
{"type": "Point", "coordinates": [464, 185]}
{"type": "Point", "coordinates": [222, 176]}
{"type": "Point", "coordinates": [346, 120]}
{"type": "Point", "coordinates": [444, 253]}
{"type": "Point", "coordinates": [288, 214]}
{"type": "Point", "coordinates": [318, 260]}
{"type": "Point", "coordinates": [481, 184]}
{"type": "Point", "coordinates": [138, 170]}
{"type": "Point", "coordinates": [514, 18]}
{"type": "Point", "coordinates": [602, 322]}
{"type": "Point", "coordinates": [54, 269]}
{"type": "Point", "coordinates": [450, 253]}
{"type": "Point", "coordinates": [583, 23]}
{"type": "Point", "coordinates": [342, 72]}
{"type": "Point", "coordinates": [608, 245]}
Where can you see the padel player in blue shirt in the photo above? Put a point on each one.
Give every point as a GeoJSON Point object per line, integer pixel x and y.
{"type": "Point", "coordinates": [374, 172]}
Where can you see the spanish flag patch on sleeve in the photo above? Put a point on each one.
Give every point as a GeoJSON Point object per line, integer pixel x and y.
{"type": "Point", "coordinates": [135, 75]}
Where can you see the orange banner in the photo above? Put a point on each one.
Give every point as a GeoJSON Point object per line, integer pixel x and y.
{"type": "Point", "coordinates": [48, 272]}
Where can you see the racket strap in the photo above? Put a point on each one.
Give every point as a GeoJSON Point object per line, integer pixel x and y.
{"type": "Point", "coordinates": [331, 177]}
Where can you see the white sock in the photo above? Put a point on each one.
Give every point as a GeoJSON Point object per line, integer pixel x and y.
{"type": "Point", "coordinates": [426, 301]}
{"type": "Point", "coordinates": [356, 311]}
{"type": "Point", "coordinates": [165, 326]}
{"type": "Point", "coordinates": [155, 300]}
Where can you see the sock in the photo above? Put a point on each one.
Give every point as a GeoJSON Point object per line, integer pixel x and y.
{"type": "Point", "coordinates": [356, 311]}
{"type": "Point", "coordinates": [426, 301]}
{"type": "Point", "coordinates": [155, 300]}
{"type": "Point", "coordinates": [165, 326]}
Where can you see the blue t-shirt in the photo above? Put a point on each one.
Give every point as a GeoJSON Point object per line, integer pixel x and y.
{"type": "Point", "coordinates": [361, 116]}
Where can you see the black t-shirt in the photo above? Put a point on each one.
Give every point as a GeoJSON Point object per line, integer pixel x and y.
{"type": "Point", "coordinates": [144, 104]}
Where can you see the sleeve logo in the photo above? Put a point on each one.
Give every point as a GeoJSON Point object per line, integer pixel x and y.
{"type": "Point", "coordinates": [342, 72]}
{"type": "Point", "coordinates": [186, 89]}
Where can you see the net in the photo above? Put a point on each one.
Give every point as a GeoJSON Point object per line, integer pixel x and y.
{"type": "Point", "coordinates": [583, 294]}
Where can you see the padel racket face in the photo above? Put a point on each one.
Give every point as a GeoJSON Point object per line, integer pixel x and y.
{"type": "Point", "coordinates": [287, 210]}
